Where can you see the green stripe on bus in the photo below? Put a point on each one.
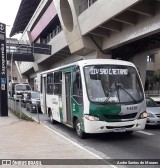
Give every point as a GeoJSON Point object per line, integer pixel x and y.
{"type": "Point", "coordinates": [77, 110]}
{"type": "Point", "coordinates": [61, 115]}
{"type": "Point", "coordinates": [102, 110]}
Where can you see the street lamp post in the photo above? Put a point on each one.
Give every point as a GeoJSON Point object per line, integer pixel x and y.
{"type": "Point", "coordinates": [11, 72]}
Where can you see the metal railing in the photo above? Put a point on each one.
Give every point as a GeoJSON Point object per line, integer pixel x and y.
{"type": "Point", "coordinates": [53, 34]}
{"type": "Point", "coordinates": [85, 5]}
{"type": "Point", "coordinates": [17, 107]}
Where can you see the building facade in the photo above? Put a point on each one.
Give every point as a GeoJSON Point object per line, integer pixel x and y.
{"type": "Point", "coordinates": [85, 29]}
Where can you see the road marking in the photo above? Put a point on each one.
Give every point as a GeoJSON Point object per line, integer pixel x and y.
{"type": "Point", "coordinates": [74, 143]}
{"type": "Point", "coordinates": [146, 133]}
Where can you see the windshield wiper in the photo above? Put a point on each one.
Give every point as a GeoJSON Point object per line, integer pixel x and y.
{"type": "Point", "coordinates": [115, 90]}
{"type": "Point", "coordinates": [121, 87]}
{"type": "Point", "coordinates": [111, 94]}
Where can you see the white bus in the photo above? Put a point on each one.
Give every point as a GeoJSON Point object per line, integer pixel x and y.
{"type": "Point", "coordinates": [94, 96]}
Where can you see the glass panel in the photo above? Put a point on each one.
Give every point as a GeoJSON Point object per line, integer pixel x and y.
{"type": "Point", "coordinates": [23, 87]}
{"type": "Point", "coordinates": [113, 84]}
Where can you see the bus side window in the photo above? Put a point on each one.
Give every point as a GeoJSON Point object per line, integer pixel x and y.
{"type": "Point", "coordinates": [77, 86]}
{"type": "Point", "coordinates": [58, 83]}
{"type": "Point", "coordinates": [50, 83]}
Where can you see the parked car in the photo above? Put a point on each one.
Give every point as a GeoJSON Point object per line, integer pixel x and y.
{"type": "Point", "coordinates": [153, 110]}
{"type": "Point", "coordinates": [156, 99]}
{"type": "Point", "coordinates": [33, 102]}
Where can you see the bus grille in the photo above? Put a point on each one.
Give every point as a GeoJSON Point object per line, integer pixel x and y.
{"type": "Point", "coordinates": [112, 127]}
{"type": "Point", "coordinates": [158, 115]}
{"type": "Point", "coordinates": [119, 117]}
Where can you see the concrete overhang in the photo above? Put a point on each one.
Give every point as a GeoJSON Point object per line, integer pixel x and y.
{"type": "Point", "coordinates": [24, 14]}
{"type": "Point", "coordinates": [125, 26]}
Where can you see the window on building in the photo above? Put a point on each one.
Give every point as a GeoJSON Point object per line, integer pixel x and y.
{"type": "Point", "coordinates": [14, 78]}
{"type": "Point", "coordinates": [151, 58]}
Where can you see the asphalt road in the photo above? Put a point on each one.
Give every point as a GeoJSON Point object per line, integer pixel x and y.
{"type": "Point", "coordinates": [140, 145]}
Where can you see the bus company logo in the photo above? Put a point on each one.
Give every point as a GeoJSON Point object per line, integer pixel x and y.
{"type": "Point", "coordinates": [1, 27]}
{"type": "Point", "coordinates": [6, 162]}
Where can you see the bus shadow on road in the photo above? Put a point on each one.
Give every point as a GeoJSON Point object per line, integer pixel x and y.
{"type": "Point", "coordinates": [71, 133]}
{"type": "Point", "coordinates": [113, 136]}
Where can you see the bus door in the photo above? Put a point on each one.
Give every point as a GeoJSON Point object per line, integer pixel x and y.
{"type": "Point", "coordinates": [43, 91]}
{"type": "Point", "coordinates": [68, 97]}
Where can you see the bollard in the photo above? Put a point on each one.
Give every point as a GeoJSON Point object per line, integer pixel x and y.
{"type": "Point", "coordinates": [14, 104]}
{"type": "Point", "coordinates": [20, 108]}
{"type": "Point", "coordinates": [38, 113]}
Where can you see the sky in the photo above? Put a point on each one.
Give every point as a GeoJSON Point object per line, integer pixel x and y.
{"type": "Point", "coordinates": [8, 12]}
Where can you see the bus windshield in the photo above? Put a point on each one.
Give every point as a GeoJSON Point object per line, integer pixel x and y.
{"type": "Point", "coordinates": [113, 84]}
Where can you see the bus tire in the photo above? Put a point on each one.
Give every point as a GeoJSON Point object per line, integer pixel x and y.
{"type": "Point", "coordinates": [81, 134]}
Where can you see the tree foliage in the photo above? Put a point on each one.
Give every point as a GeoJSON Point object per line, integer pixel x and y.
{"type": "Point", "coordinates": [152, 81]}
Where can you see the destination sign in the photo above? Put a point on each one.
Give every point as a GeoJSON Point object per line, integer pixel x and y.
{"type": "Point", "coordinates": [109, 71]}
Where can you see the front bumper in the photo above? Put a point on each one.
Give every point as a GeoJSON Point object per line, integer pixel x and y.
{"type": "Point", "coordinates": [104, 127]}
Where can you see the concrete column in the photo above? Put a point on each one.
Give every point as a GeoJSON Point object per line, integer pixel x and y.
{"type": "Point", "coordinates": [97, 55]}
{"type": "Point", "coordinates": [140, 61]}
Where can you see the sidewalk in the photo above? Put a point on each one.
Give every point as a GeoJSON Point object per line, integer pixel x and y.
{"type": "Point", "coordinates": [21, 139]}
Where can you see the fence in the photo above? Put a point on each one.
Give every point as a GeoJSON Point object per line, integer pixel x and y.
{"type": "Point", "coordinates": [16, 107]}
{"type": "Point", "coordinates": [53, 34]}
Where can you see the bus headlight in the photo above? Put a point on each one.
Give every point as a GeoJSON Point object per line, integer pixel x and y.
{"type": "Point", "coordinates": [91, 118]}
{"type": "Point", "coordinates": [143, 115]}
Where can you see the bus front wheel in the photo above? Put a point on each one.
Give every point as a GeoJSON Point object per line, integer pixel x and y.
{"type": "Point", "coordinates": [81, 134]}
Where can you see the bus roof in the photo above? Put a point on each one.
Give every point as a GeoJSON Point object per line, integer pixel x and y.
{"type": "Point", "coordinates": [92, 62]}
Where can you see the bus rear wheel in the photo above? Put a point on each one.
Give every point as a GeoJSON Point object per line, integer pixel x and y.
{"type": "Point", "coordinates": [81, 134]}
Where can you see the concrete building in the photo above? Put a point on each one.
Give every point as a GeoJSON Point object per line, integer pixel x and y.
{"type": "Point", "coordinates": [85, 29]}
{"type": "Point", "coordinates": [12, 72]}
{"type": "Point", "coordinates": [153, 63]}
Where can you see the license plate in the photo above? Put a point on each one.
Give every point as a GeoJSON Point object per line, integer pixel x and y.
{"type": "Point", "coordinates": [119, 130]}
